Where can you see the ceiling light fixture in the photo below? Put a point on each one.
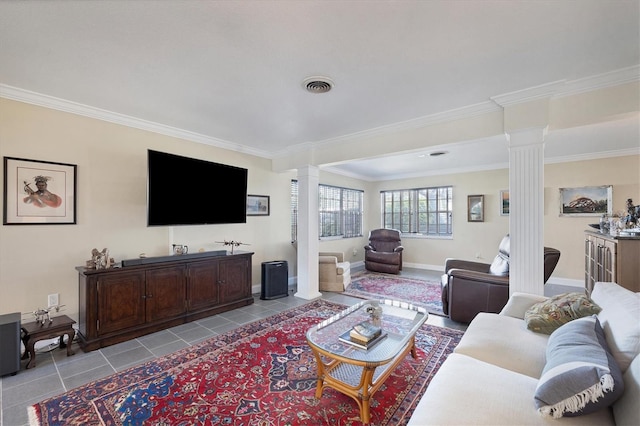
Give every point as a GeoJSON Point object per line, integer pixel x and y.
{"type": "Point", "coordinates": [317, 84]}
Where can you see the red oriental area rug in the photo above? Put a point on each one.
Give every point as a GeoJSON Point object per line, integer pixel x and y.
{"type": "Point", "coordinates": [373, 285]}
{"type": "Point", "coordinates": [262, 373]}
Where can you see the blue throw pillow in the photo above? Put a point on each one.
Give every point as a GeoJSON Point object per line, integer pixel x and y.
{"type": "Point", "coordinates": [580, 375]}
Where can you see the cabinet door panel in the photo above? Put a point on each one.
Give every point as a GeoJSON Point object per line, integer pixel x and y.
{"type": "Point", "coordinates": [234, 280]}
{"type": "Point", "coordinates": [120, 302]}
{"type": "Point", "coordinates": [202, 286]}
{"type": "Point", "coordinates": [166, 293]}
{"type": "Point", "coordinates": [590, 263]}
{"type": "Point", "coordinates": [609, 261]}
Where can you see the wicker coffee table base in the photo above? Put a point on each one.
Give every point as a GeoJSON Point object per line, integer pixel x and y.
{"type": "Point", "coordinates": [356, 379]}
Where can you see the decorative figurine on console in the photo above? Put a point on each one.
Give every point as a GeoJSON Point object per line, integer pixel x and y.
{"type": "Point", "coordinates": [633, 215]}
{"type": "Point", "coordinates": [232, 244]}
{"type": "Point", "coordinates": [100, 259]}
{"type": "Point", "coordinates": [43, 316]}
{"type": "Point", "coordinates": [180, 249]}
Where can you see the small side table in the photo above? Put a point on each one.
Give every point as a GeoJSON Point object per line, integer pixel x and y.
{"type": "Point", "coordinates": [35, 331]}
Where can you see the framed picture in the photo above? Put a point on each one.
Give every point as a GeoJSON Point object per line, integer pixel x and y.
{"type": "Point", "coordinates": [258, 205]}
{"type": "Point", "coordinates": [475, 208]}
{"type": "Point", "coordinates": [39, 192]}
{"type": "Point", "coordinates": [586, 201]}
{"type": "Point", "coordinates": [504, 202]}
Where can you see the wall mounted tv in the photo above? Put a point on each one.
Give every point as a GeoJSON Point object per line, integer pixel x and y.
{"type": "Point", "coordinates": [189, 191]}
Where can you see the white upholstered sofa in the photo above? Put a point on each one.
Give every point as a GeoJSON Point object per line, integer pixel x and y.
{"type": "Point", "coordinates": [334, 271]}
{"type": "Point", "coordinates": [492, 376]}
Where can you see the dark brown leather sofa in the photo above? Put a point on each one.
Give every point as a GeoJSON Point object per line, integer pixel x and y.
{"type": "Point", "coordinates": [471, 287]}
{"type": "Point", "coordinates": [384, 252]}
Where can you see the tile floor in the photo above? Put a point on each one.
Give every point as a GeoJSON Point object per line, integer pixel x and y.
{"type": "Point", "coordinates": [56, 373]}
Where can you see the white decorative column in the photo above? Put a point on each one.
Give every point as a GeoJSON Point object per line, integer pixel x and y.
{"type": "Point", "coordinates": [308, 282]}
{"type": "Point", "coordinates": [526, 210]}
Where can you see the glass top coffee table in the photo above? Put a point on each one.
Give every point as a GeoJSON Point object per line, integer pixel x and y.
{"type": "Point", "coordinates": [357, 372]}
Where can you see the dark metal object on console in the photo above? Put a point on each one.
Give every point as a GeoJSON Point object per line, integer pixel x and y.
{"type": "Point", "coordinates": [159, 259]}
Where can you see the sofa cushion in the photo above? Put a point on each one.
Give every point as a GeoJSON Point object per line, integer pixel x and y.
{"type": "Point", "coordinates": [504, 341]}
{"type": "Point", "coordinates": [620, 319]}
{"type": "Point", "coordinates": [500, 265]}
{"type": "Point", "coordinates": [343, 267]}
{"type": "Point", "coordinates": [519, 303]}
{"type": "Point", "coordinates": [466, 391]}
{"type": "Point", "coordinates": [547, 316]}
{"type": "Point", "coordinates": [626, 410]}
{"type": "Point", "coordinates": [580, 376]}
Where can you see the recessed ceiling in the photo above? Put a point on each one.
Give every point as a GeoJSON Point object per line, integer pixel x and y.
{"type": "Point", "coordinates": [231, 71]}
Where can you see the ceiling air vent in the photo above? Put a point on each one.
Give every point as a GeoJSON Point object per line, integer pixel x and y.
{"type": "Point", "coordinates": [317, 84]}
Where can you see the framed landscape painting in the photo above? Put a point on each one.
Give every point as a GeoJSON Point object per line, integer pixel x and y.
{"type": "Point", "coordinates": [586, 201]}
{"type": "Point", "coordinates": [39, 192]}
{"type": "Point", "coordinates": [258, 205]}
{"type": "Point", "coordinates": [504, 203]}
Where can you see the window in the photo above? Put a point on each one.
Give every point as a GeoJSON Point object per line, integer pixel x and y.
{"type": "Point", "coordinates": [425, 211]}
{"type": "Point", "coordinates": [340, 211]}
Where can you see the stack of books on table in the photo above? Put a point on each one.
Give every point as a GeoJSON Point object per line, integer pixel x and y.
{"type": "Point", "coordinates": [363, 335]}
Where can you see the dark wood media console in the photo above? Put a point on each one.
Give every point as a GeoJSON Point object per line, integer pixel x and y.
{"type": "Point", "coordinates": [119, 304]}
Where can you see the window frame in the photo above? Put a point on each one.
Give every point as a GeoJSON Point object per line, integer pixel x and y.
{"type": "Point", "coordinates": [344, 217]}
{"type": "Point", "coordinates": [415, 212]}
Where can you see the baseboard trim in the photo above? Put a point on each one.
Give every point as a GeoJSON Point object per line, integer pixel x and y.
{"type": "Point", "coordinates": [437, 268]}
{"type": "Point", "coordinates": [357, 266]}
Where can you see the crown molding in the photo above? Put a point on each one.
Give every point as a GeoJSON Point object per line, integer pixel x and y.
{"type": "Point", "coordinates": [416, 123]}
{"type": "Point", "coordinates": [26, 96]}
{"type": "Point", "coordinates": [554, 89]}
{"type": "Point", "coordinates": [601, 81]}
{"type": "Point", "coordinates": [562, 88]}
{"type": "Point", "coordinates": [558, 88]}
{"type": "Point", "coordinates": [486, 167]}
{"type": "Point", "coordinates": [530, 94]}
{"type": "Point", "coordinates": [593, 156]}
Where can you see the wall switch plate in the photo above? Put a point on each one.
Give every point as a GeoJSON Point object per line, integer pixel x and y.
{"type": "Point", "coordinates": [53, 299]}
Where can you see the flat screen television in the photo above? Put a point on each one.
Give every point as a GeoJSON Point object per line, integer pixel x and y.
{"type": "Point", "coordinates": [189, 191]}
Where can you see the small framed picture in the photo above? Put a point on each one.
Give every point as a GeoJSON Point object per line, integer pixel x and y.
{"type": "Point", "coordinates": [504, 202]}
{"type": "Point", "coordinates": [39, 192]}
{"type": "Point", "coordinates": [586, 201]}
{"type": "Point", "coordinates": [258, 205]}
{"type": "Point", "coordinates": [475, 208]}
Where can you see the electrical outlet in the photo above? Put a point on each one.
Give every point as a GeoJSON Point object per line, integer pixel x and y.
{"type": "Point", "coordinates": [54, 299]}
{"type": "Point", "coordinates": [478, 255]}
{"type": "Point", "coordinates": [355, 252]}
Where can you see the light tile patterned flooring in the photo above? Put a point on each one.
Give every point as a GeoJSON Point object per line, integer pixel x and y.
{"type": "Point", "coordinates": [56, 373]}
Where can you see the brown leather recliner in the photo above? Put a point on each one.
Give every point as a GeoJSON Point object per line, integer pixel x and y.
{"type": "Point", "coordinates": [471, 287]}
{"type": "Point", "coordinates": [384, 252]}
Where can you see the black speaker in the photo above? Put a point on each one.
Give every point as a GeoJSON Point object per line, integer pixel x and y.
{"type": "Point", "coordinates": [275, 280]}
{"type": "Point", "coordinates": [9, 343]}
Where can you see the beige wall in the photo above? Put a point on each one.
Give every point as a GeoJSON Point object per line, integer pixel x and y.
{"type": "Point", "coordinates": [38, 260]}
{"type": "Point", "coordinates": [563, 232]}
{"type": "Point", "coordinates": [469, 238]}
{"type": "Point", "coordinates": [566, 232]}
